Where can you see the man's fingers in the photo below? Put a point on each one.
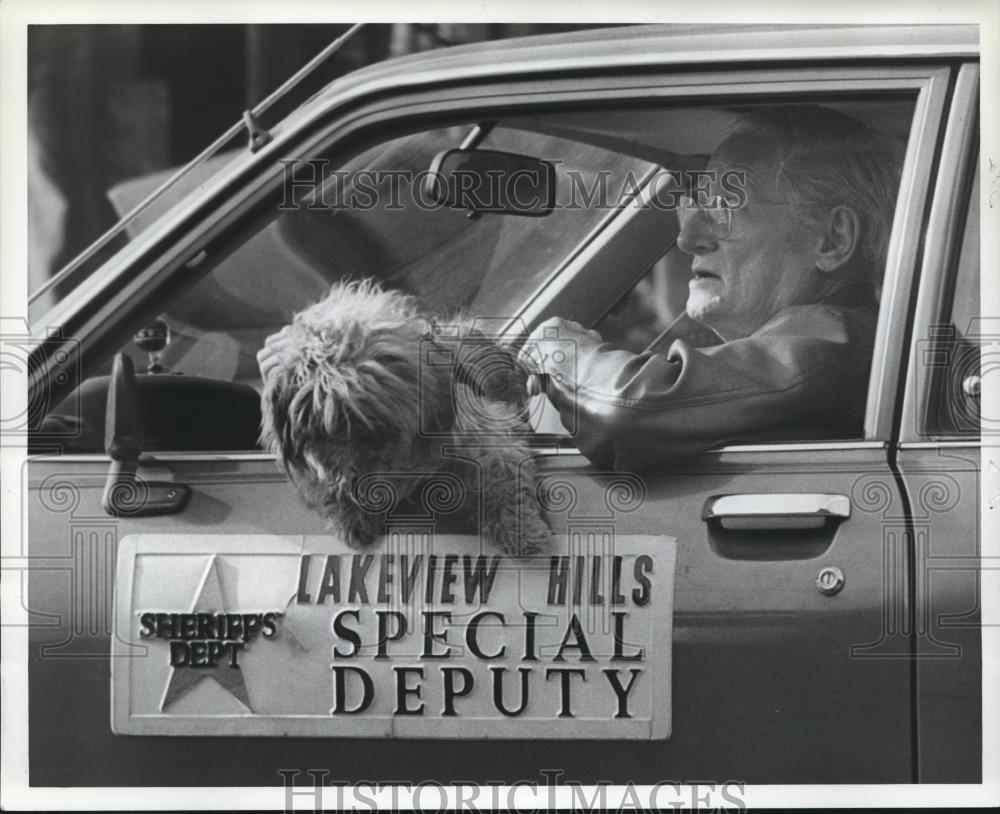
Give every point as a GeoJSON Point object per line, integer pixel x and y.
{"type": "Point", "coordinates": [553, 342]}
{"type": "Point", "coordinates": [532, 353]}
{"type": "Point", "coordinates": [529, 355]}
{"type": "Point", "coordinates": [537, 383]}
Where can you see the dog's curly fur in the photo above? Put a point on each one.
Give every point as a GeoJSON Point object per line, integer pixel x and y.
{"type": "Point", "coordinates": [374, 399]}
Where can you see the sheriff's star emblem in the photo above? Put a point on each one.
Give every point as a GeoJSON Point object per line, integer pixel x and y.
{"type": "Point", "coordinates": [209, 599]}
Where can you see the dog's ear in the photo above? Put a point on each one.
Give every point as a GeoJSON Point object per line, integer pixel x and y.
{"type": "Point", "coordinates": [273, 410]}
{"type": "Point", "coordinates": [290, 418]}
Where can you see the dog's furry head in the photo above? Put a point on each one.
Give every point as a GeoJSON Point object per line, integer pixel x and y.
{"type": "Point", "coordinates": [357, 392]}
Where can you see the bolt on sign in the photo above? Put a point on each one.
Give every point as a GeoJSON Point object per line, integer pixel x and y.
{"type": "Point", "coordinates": [423, 636]}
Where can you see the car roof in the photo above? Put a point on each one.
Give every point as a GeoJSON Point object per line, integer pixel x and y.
{"type": "Point", "coordinates": [648, 45]}
{"type": "Point", "coordinates": [645, 46]}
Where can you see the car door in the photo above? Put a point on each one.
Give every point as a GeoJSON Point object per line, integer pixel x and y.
{"type": "Point", "coordinates": [939, 459]}
{"type": "Point", "coordinates": [788, 661]}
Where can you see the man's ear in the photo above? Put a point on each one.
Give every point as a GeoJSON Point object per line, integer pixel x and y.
{"type": "Point", "coordinates": [839, 239]}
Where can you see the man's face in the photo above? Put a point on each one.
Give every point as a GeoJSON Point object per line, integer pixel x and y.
{"type": "Point", "coordinates": [762, 266]}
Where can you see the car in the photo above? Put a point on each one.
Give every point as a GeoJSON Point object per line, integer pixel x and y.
{"type": "Point", "coordinates": [824, 620]}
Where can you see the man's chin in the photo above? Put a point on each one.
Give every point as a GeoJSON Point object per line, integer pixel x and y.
{"type": "Point", "coordinates": [702, 308]}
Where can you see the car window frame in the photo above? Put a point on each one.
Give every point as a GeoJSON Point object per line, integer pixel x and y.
{"type": "Point", "coordinates": [903, 253]}
{"type": "Point", "coordinates": [939, 265]}
{"type": "Point", "coordinates": [188, 238]}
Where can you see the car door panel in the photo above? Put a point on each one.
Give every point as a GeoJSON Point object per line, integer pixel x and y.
{"type": "Point", "coordinates": [737, 622]}
{"type": "Point", "coordinates": [943, 482]}
{"type": "Point", "coordinates": [738, 619]}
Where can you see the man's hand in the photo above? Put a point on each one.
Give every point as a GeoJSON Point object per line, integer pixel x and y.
{"type": "Point", "coordinates": [565, 328]}
{"type": "Point", "coordinates": [552, 349]}
{"type": "Point", "coordinates": [270, 356]}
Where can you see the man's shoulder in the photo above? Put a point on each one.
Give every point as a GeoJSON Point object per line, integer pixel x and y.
{"type": "Point", "coordinates": [851, 321]}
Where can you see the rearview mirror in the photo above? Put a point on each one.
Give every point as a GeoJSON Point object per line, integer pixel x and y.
{"type": "Point", "coordinates": [492, 181]}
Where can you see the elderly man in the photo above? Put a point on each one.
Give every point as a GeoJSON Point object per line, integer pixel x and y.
{"type": "Point", "coordinates": [786, 279]}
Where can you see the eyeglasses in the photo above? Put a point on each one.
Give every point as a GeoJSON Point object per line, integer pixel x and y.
{"type": "Point", "coordinates": [718, 215]}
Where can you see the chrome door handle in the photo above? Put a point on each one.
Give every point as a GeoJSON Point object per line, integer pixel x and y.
{"type": "Point", "coordinates": [775, 511]}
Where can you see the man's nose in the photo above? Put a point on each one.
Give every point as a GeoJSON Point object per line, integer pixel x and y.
{"type": "Point", "coordinates": [695, 237]}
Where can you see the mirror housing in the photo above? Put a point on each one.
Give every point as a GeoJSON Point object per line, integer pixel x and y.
{"type": "Point", "coordinates": [125, 493]}
{"type": "Point", "coordinates": [490, 181]}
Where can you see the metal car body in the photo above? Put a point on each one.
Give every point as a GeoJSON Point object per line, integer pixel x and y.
{"type": "Point", "coordinates": [776, 678]}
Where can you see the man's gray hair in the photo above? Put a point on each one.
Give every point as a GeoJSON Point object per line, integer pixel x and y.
{"type": "Point", "coordinates": [820, 158]}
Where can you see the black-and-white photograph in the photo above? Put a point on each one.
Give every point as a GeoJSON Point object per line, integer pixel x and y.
{"type": "Point", "coordinates": [495, 414]}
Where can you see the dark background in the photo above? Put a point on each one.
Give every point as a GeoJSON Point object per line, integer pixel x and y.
{"type": "Point", "coordinates": [112, 102]}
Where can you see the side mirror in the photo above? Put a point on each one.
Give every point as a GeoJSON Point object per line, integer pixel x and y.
{"type": "Point", "coordinates": [491, 181]}
{"type": "Point", "coordinates": [125, 493]}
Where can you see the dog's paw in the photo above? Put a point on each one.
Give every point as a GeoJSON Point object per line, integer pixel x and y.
{"type": "Point", "coordinates": [526, 538]}
{"type": "Point", "coordinates": [360, 529]}
{"type": "Point", "coordinates": [358, 539]}
{"type": "Point", "coordinates": [535, 539]}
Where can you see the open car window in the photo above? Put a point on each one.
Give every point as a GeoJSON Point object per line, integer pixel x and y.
{"type": "Point", "coordinates": [366, 218]}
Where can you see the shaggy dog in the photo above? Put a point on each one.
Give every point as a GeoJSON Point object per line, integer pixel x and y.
{"type": "Point", "coordinates": [370, 402]}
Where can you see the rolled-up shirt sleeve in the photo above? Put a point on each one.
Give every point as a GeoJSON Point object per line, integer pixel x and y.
{"type": "Point", "coordinates": [806, 371]}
